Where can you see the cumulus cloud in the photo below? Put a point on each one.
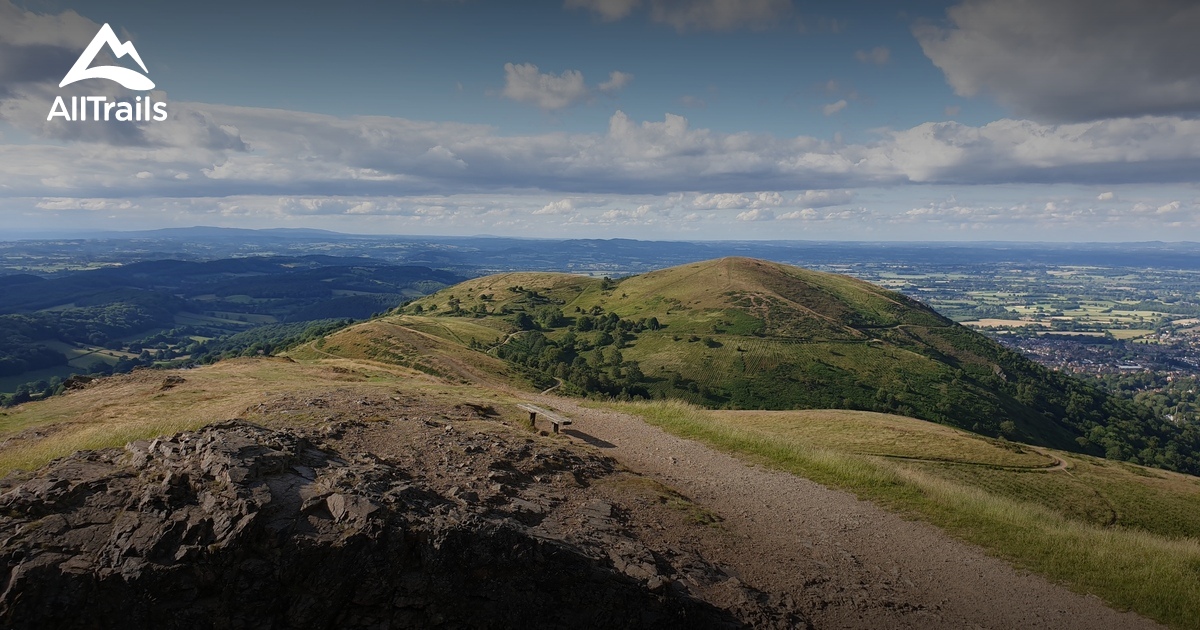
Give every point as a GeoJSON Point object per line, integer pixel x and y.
{"type": "Point", "coordinates": [823, 198]}
{"type": "Point", "coordinates": [1106, 196]}
{"type": "Point", "coordinates": [737, 201]}
{"type": "Point", "coordinates": [617, 80]}
{"type": "Point", "coordinates": [241, 150]}
{"type": "Point", "coordinates": [562, 206]}
{"type": "Point", "coordinates": [524, 83]}
{"type": "Point", "coordinates": [757, 214]}
{"type": "Point", "coordinates": [807, 214]}
{"type": "Point", "coordinates": [1169, 208]}
{"type": "Point", "coordinates": [878, 55]}
{"type": "Point", "coordinates": [1072, 60]}
{"type": "Point", "coordinates": [206, 150]}
{"type": "Point", "coordinates": [834, 107]}
{"type": "Point", "coordinates": [695, 15]}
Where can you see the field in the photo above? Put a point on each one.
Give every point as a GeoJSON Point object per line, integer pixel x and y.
{"type": "Point", "coordinates": [1126, 533]}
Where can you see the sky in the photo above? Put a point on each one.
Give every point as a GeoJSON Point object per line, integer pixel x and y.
{"type": "Point", "coordinates": [1042, 120]}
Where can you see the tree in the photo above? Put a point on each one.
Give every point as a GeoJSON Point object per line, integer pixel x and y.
{"type": "Point", "coordinates": [524, 321]}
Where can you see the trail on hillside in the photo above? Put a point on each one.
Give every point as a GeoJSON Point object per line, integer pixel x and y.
{"type": "Point", "coordinates": [846, 562]}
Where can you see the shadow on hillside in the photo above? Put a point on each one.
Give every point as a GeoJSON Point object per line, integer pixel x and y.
{"type": "Point", "coordinates": [594, 441]}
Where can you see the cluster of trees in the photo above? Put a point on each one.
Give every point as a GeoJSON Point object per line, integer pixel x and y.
{"type": "Point", "coordinates": [1108, 425]}
{"type": "Point", "coordinates": [1173, 397]}
{"type": "Point", "coordinates": [266, 340]}
{"type": "Point", "coordinates": [587, 359]}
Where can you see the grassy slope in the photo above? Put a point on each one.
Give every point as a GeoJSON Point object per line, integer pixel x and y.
{"type": "Point", "coordinates": [1125, 533]}
{"type": "Point", "coordinates": [781, 338]}
{"type": "Point", "coordinates": [436, 347]}
{"type": "Point", "coordinates": [116, 410]}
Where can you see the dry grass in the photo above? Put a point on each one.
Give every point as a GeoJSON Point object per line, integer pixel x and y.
{"type": "Point", "coordinates": [1152, 573]}
{"type": "Point", "coordinates": [867, 433]}
{"type": "Point", "coordinates": [117, 410]}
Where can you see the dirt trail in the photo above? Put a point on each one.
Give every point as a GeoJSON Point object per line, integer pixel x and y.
{"type": "Point", "coordinates": [848, 563]}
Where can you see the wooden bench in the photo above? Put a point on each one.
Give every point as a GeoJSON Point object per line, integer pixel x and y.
{"type": "Point", "coordinates": [557, 422]}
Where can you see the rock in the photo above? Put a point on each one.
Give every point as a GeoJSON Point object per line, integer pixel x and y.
{"type": "Point", "coordinates": [78, 381]}
{"type": "Point", "coordinates": [239, 526]}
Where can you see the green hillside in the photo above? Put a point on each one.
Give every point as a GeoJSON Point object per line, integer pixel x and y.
{"type": "Point", "coordinates": [739, 333]}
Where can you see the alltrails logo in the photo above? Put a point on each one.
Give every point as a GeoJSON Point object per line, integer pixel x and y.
{"type": "Point", "coordinates": [100, 107]}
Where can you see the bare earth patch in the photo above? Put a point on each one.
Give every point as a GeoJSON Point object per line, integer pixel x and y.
{"type": "Point", "coordinates": [848, 563]}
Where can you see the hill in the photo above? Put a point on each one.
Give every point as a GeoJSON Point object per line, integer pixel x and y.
{"type": "Point", "coordinates": [450, 430]}
{"type": "Point", "coordinates": [740, 333]}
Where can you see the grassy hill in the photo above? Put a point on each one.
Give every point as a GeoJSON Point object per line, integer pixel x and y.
{"type": "Point", "coordinates": [1124, 532]}
{"type": "Point", "coordinates": [739, 333]}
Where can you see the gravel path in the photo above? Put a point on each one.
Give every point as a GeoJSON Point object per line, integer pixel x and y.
{"type": "Point", "coordinates": [848, 563]}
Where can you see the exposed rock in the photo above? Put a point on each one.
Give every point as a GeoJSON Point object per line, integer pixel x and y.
{"type": "Point", "coordinates": [78, 381]}
{"type": "Point", "coordinates": [171, 381]}
{"type": "Point", "coordinates": [239, 526]}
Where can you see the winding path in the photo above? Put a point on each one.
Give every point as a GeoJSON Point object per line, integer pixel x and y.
{"type": "Point", "coordinates": [848, 563]}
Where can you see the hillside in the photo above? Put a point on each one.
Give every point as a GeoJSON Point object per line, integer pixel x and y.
{"type": "Point", "coordinates": [370, 468]}
{"type": "Point", "coordinates": [443, 449]}
{"type": "Point", "coordinates": [747, 334]}
{"type": "Point", "coordinates": [113, 318]}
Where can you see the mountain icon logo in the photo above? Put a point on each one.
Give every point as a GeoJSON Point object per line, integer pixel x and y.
{"type": "Point", "coordinates": [129, 78]}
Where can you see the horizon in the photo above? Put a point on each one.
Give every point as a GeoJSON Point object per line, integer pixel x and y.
{"type": "Point", "coordinates": [924, 121]}
{"type": "Point", "coordinates": [98, 234]}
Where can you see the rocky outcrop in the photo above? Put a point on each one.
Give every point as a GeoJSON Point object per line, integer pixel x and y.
{"type": "Point", "coordinates": [239, 526]}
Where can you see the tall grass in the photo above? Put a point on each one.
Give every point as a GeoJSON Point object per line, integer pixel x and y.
{"type": "Point", "coordinates": [1153, 575]}
{"type": "Point", "coordinates": [78, 438]}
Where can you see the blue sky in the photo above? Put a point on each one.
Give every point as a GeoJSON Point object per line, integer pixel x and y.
{"type": "Point", "coordinates": [969, 120]}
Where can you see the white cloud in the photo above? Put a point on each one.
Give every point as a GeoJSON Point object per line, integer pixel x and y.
{"type": "Point", "coordinates": [617, 80]}
{"type": "Point", "coordinates": [696, 15]}
{"type": "Point", "coordinates": [224, 150]}
{"type": "Point", "coordinates": [878, 55]}
{"type": "Point", "coordinates": [562, 206]}
{"type": "Point", "coordinates": [758, 214]}
{"type": "Point", "coordinates": [1071, 60]}
{"type": "Point", "coordinates": [1169, 208]}
{"type": "Point", "coordinates": [524, 83]}
{"type": "Point", "coordinates": [732, 201]}
{"type": "Point", "coordinates": [823, 198]}
{"type": "Point", "coordinates": [1106, 196]}
{"type": "Point", "coordinates": [807, 214]}
{"type": "Point", "coordinates": [835, 107]}
{"type": "Point", "coordinates": [94, 205]}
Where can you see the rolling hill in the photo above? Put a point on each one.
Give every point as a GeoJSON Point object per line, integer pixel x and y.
{"type": "Point", "coordinates": [741, 333]}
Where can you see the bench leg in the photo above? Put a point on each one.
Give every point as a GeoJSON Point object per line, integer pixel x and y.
{"type": "Point", "coordinates": [533, 419]}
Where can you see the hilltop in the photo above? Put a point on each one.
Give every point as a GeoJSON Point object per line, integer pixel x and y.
{"type": "Point", "coordinates": [372, 491]}
{"type": "Point", "coordinates": [741, 333]}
